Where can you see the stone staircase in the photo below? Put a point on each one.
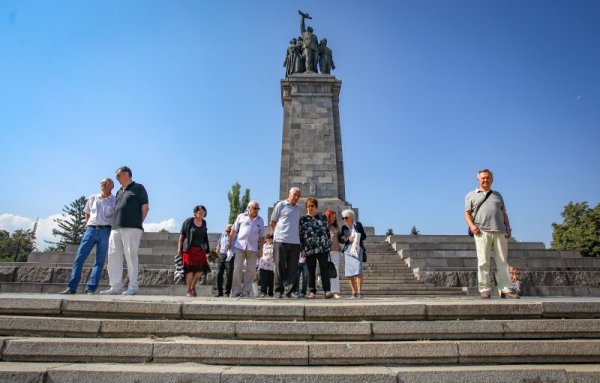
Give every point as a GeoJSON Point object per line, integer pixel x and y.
{"type": "Point", "coordinates": [397, 265]}
{"type": "Point", "coordinates": [385, 272]}
{"type": "Point", "coordinates": [51, 338]}
{"type": "Point", "coordinates": [451, 261]}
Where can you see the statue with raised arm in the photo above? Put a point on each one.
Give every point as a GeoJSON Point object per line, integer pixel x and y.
{"type": "Point", "coordinates": [325, 58]}
{"type": "Point", "coordinates": [310, 45]}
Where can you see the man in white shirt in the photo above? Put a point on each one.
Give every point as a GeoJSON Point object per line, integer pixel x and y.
{"type": "Point", "coordinates": [249, 228]}
{"type": "Point", "coordinates": [99, 214]}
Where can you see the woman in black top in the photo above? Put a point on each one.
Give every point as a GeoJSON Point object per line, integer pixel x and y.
{"type": "Point", "coordinates": [193, 247]}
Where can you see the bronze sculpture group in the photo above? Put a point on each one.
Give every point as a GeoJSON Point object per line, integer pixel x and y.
{"type": "Point", "coordinates": [305, 54]}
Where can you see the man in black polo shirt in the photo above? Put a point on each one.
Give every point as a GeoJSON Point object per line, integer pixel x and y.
{"type": "Point", "coordinates": [131, 208]}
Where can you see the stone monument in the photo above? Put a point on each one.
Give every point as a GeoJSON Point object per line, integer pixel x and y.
{"type": "Point", "coordinates": [311, 153]}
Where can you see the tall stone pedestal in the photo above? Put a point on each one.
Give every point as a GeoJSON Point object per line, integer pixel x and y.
{"type": "Point", "coordinates": [311, 153]}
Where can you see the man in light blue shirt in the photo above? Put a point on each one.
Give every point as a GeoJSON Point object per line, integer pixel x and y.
{"type": "Point", "coordinates": [285, 222]}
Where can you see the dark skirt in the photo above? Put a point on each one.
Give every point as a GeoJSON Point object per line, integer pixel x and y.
{"type": "Point", "coordinates": [195, 260]}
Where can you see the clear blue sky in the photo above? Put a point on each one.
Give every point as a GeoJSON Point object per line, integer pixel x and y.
{"type": "Point", "coordinates": [187, 93]}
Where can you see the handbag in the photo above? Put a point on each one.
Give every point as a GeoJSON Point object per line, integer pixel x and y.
{"type": "Point", "coordinates": [178, 276]}
{"type": "Point", "coordinates": [476, 210]}
{"type": "Point", "coordinates": [332, 270]}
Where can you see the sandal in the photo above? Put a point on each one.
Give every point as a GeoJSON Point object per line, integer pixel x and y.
{"type": "Point", "coordinates": [310, 295]}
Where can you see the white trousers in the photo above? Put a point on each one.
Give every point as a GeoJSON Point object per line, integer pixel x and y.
{"type": "Point", "coordinates": [488, 244]}
{"type": "Point", "coordinates": [335, 282]}
{"type": "Point", "coordinates": [242, 280]}
{"type": "Point", "coordinates": [124, 241]}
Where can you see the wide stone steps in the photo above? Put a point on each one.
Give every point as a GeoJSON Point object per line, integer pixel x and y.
{"type": "Point", "coordinates": [415, 330]}
{"type": "Point", "coordinates": [52, 338]}
{"type": "Point", "coordinates": [196, 372]}
{"type": "Point", "coordinates": [298, 353]}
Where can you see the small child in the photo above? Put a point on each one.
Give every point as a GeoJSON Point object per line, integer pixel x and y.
{"type": "Point", "coordinates": [300, 290]}
{"type": "Point", "coordinates": [266, 268]}
{"type": "Point", "coordinates": [515, 279]}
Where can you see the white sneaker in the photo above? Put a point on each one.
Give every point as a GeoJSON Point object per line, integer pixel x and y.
{"type": "Point", "coordinates": [129, 292]}
{"type": "Point", "coordinates": [111, 291]}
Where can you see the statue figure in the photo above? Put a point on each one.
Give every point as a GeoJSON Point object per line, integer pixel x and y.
{"type": "Point", "coordinates": [294, 62]}
{"type": "Point", "coordinates": [325, 57]}
{"type": "Point", "coordinates": [290, 58]}
{"type": "Point", "coordinates": [310, 45]}
{"type": "Point", "coordinates": [299, 68]}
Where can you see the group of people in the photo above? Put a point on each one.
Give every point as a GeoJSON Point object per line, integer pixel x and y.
{"type": "Point", "coordinates": [114, 226]}
{"type": "Point", "coordinates": [298, 243]}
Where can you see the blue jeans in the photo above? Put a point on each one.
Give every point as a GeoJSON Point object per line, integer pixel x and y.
{"type": "Point", "coordinates": [93, 236]}
{"type": "Point", "coordinates": [302, 271]}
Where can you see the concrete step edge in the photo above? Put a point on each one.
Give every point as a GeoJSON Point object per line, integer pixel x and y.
{"type": "Point", "coordinates": [300, 353]}
{"type": "Point", "coordinates": [11, 326]}
{"type": "Point", "coordinates": [378, 309]}
{"type": "Point", "coordinates": [183, 372]}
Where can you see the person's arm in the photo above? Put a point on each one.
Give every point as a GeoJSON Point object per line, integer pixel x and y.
{"type": "Point", "coordinates": [180, 244]}
{"type": "Point", "coordinates": [232, 235]}
{"type": "Point", "coordinates": [218, 248]}
{"type": "Point", "coordinates": [182, 235]}
{"type": "Point", "coordinates": [145, 209]}
{"type": "Point", "coordinates": [472, 226]}
{"type": "Point", "coordinates": [506, 223]}
{"type": "Point", "coordinates": [273, 224]}
{"type": "Point", "coordinates": [342, 236]}
{"type": "Point", "coordinates": [363, 234]}
{"type": "Point", "coordinates": [88, 208]}
{"type": "Point", "coordinates": [261, 246]}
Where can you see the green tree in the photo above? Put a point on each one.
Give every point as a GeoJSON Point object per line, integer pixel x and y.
{"type": "Point", "coordinates": [580, 229]}
{"type": "Point", "coordinates": [414, 231]}
{"type": "Point", "coordinates": [16, 247]}
{"type": "Point", "coordinates": [71, 225]}
{"type": "Point", "coordinates": [237, 205]}
{"type": "Point", "coordinates": [5, 244]}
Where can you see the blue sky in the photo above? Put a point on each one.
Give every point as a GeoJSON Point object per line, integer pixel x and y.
{"type": "Point", "coordinates": [187, 93]}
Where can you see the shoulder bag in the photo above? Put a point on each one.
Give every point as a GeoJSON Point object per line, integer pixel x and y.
{"type": "Point", "coordinates": [476, 210]}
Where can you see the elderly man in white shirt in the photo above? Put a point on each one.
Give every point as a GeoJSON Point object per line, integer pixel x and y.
{"type": "Point", "coordinates": [249, 228]}
{"type": "Point", "coordinates": [99, 214]}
